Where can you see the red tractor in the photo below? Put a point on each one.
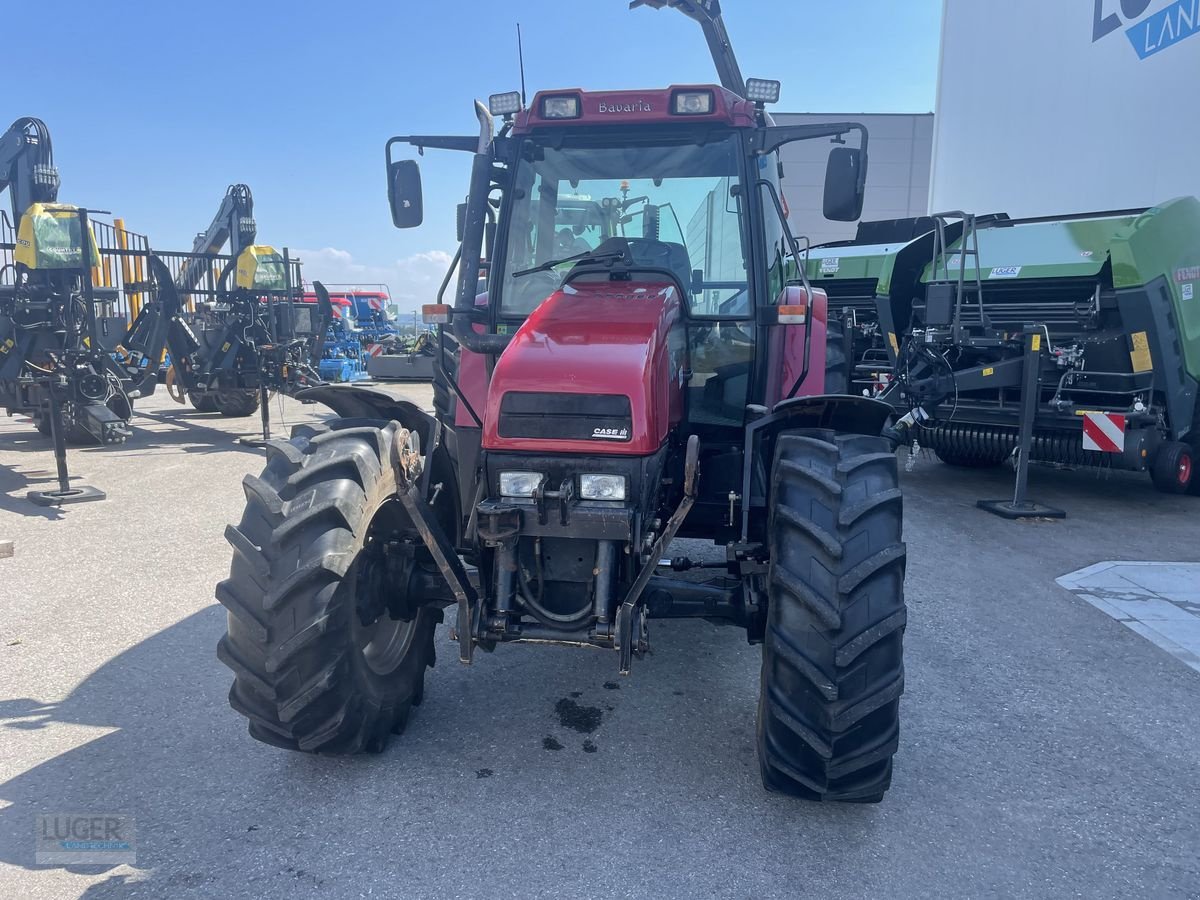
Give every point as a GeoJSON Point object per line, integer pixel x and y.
{"type": "Point", "coordinates": [646, 363]}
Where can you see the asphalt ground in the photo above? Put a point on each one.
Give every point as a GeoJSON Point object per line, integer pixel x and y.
{"type": "Point", "coordinates": [1047, 750]}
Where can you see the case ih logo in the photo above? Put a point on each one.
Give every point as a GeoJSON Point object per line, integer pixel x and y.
{"type": "Point", "coordinates": [611, 434]}
{"type": "Point", "coordinates": [1157, 31]}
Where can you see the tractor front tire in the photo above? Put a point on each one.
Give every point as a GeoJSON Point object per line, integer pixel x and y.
{"type": "Point", "coordinates": [309, 675]}
{"type": "Point", "coordinates": [236, 404]}
{"type": "Point", "coordinates": [832, 665]}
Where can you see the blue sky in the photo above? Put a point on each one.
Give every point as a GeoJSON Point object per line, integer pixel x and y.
{"type": "Point", "coordinates": [170, 102]}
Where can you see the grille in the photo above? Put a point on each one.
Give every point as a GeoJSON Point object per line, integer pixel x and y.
{"type": "Point", "coordinates": [589, 417]}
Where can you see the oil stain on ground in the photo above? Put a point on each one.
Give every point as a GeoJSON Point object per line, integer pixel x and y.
{"type": "Point", "coordinates": [549, 743]}
{"type": "Point", "coordinates": [584, 719]}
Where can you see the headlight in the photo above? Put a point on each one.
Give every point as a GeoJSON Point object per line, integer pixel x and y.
{"type": "Point", "coordinates": [602, 487]}
{"type": "Point", "coordinates": [693, 103]}
{"type": "Point", "coordinates": [520, 484]}
{"type": "Point", "coordinates": [560, 107]}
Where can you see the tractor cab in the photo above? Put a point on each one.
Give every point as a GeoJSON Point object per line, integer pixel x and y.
{"type": "Point", "coordinates": [638, 270]}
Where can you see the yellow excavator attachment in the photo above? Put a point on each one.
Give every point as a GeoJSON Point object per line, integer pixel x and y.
{"type": "Point", "coordinates": [48, 238]}
{"type": "Point", "coordinates": [260, 267]}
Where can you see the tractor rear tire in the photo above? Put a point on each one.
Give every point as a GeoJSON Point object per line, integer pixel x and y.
{"type": "Point", "coordinates": [832, 665]}
{"type": "Point", "coordinates": [1173, 469]}
{"type": "Point", "coordinates": [836, 381]}
{"type": "Point", "coordinates": [237, 404]}
{"type": "Point", "coordinates": [308, 674]}
{"type": "Point", "coordinates": [204, 402]}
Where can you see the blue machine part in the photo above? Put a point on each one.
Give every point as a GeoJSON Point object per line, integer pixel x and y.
{"type": "Point", "coordinates": [371, 318]}
{"type": "Point", "coordinates": [342, 357]}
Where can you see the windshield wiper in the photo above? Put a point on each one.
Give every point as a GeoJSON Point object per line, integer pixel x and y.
{"type": "Point", "coordinates": [590, 256]}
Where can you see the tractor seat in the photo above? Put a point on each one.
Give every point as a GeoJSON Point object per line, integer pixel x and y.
{"type": "Point", "coordinates": [653, 254]}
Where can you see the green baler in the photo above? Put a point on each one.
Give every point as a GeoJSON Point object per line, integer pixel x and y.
{"type": "Point", "coordinates": [870, 287]}
{"type": "Point", "coordinates": [1104, 306]}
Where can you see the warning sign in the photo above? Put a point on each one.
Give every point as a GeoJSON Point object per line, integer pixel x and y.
{"type": "Point", "coordinates": [1104, 432]}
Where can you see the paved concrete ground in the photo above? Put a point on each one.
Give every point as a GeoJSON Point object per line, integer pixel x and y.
{"type": "Point", "coordinates": [1158, 600]}
{"type": "Point", "coordinates": [1047, 750]}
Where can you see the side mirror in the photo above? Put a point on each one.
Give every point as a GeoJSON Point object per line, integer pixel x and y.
{"type": "Point", "coordinates": [462, 221]}
{"type": "Point", "coordinates": [404, 193]}
{"type": "Point", "coordinates": [845, 182]}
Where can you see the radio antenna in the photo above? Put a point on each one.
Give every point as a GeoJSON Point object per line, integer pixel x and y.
{"type": "Point", "coordinates": [521, 60]}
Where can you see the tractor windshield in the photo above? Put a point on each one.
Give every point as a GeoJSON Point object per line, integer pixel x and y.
{"type": "Point", "coordinates": [568, 200]}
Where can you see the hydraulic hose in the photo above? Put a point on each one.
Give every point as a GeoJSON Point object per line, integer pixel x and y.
{"type": "Point", "coordinates": [539, 612]}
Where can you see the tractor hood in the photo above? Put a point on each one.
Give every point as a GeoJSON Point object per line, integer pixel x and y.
{"type": "Point", "coordinates": [594, 369]}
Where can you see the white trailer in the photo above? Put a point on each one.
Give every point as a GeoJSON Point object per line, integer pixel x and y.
{"type": "Point", "coordinates": [1048, 107]}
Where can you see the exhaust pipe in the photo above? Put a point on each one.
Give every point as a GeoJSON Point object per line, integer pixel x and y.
{"type": "Point", "coordinates": [472, 245]}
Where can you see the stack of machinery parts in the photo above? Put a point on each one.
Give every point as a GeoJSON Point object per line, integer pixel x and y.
{"type": "Point", "coordinates": [244, 330]}
{"type": "Point", "coordinates": [69, 359]}
{"type": "Point", "coordinates": [388, 355]}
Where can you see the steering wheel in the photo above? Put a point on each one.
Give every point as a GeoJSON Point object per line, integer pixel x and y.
{"type": "Point", "coordinates": [657, 255]}
{"type": "Point", "coordinates": [526, 293]}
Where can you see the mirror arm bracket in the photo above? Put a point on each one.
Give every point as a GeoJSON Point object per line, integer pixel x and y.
{"type": "Point", "coordinates": [772, 138]}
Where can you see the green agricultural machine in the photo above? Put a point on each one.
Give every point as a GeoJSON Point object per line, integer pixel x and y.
{"type": "Point", "coordinates": [1072, 340]}
{"type": "Point", "coordinates": [854, 274]}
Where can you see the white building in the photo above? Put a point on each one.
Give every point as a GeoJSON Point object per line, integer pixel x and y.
{"type": "Point", "coordinates": [1049, 107]}
{"type": "Point", "coordinates": [900, 150]}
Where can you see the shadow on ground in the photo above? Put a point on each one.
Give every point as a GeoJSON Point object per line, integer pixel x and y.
{"type": "Point", "coordinates": [218, 813]}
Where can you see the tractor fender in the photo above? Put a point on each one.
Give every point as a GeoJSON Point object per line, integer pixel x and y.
{"type": "Point", "coordinates": [842, 413]}
{"type": "Point", "coordinates": [351, 401]}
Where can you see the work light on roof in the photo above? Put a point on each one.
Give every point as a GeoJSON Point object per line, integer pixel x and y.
{"type": "Point", "coordinates": [762, 90]}
{"type": "Point", "coordinates": [505, 104]}
{"type": "Point", "coordinates": [564, 107]}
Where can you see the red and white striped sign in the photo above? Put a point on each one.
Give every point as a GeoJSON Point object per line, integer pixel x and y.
{"type": "Point", "coordinates": [1104, 432]}
{"type": "Point", "coordinates": [374, 349]}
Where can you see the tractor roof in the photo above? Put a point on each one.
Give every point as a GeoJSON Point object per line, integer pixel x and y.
{"type": "Point", "coordinates": [656, 106]}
